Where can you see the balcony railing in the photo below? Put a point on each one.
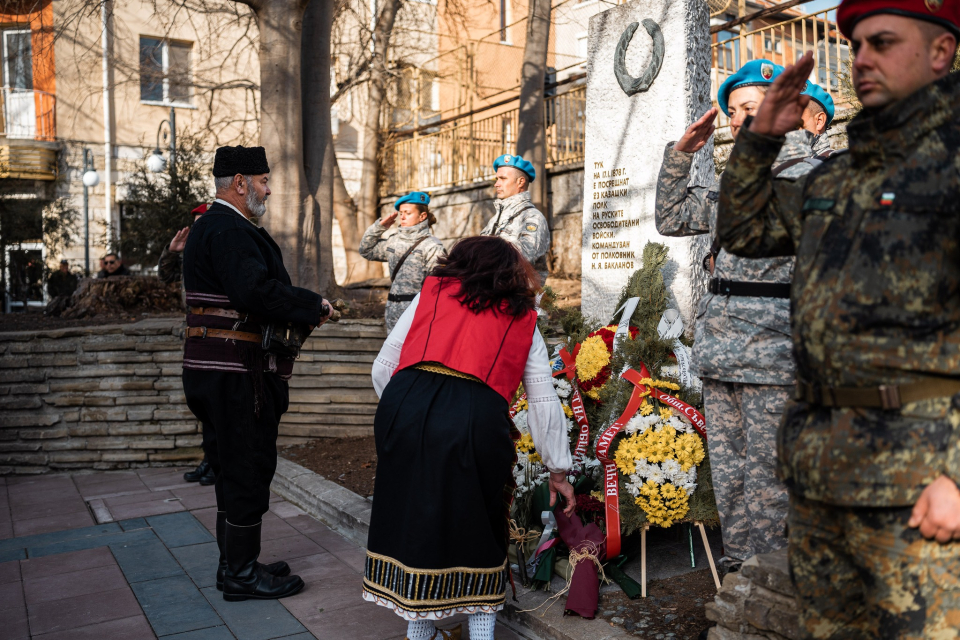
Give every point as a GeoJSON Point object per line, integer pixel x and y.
{"type": "Point", "coordinates": [27, 134]}
{"type": "Point", "coordinates": [783, 43]}
{"type": "Point", "coordinates": [28, 114]}
{"type": "Point", "coordinates": [463, 151]}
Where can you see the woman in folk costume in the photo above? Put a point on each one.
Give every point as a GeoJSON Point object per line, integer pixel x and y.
{"type": "Point", "coordinates": [412, 252]}
{"type": "Point", "coordinates": [445, 376]}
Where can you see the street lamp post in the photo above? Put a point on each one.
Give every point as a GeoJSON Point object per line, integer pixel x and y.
{"type": "Point", "coordinates": [156, 162]}
{"type": "Point", "coordinates": [90, 179]}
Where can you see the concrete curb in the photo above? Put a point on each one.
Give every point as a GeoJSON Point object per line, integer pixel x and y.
{"type": "Point", "coordinates": [337, 507]}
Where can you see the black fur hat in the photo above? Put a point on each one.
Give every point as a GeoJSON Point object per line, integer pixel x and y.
{"type": "Point", "coordinates": [247, 161]}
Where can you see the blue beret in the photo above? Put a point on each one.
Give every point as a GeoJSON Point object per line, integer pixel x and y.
{"type": "Point", "coordinates": [822, 98]}
{"type": "Point", "coordinates": [517, 162]}
{"type": "Point", "coordinates": [752, 74]}
{"type": "Point", "coordinates": [414, 197]}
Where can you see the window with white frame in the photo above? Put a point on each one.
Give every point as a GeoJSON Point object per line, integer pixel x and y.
{"type": "Point", "coordinates": [165, 74]}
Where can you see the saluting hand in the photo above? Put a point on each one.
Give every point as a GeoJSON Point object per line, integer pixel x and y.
{"type": "Point", "coordinates": [559, 484]}
{"type": "Point", "coordinates": [698, 133]}
{"type": "Point", "coordinates": [937, 512]}
{"type": "Point", "coordinates": [389, 220]}
{"type": "Point", "coordinates": [180, 240]}
{"type": "Point", "coordinates": [782, 108]}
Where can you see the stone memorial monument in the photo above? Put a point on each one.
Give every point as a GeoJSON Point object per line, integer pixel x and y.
{"type": "Point", "coordinates": [648, 77]}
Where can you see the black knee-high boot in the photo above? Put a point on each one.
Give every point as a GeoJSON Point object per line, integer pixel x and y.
{"type": "Point", "coordinates": [279, 569]}
{"type": "Point", "coordinates": [245, 577]}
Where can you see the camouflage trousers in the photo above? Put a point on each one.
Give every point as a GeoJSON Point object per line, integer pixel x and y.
{"type": "Point", "coordinates": [862, 573]}
{"type": "Point", "coordinates": [393, 312]}
{"type": "Point", "coordinates": [742, 423]}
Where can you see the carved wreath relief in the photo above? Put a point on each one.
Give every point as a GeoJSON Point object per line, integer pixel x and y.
{"type": "Point", "coordinates": [628, 83]}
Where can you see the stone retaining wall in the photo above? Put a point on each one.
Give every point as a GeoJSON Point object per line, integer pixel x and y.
{"type": "Point", "coordinates": [756, 603]}
{"type": "Point", "coordinates": [111, 397]}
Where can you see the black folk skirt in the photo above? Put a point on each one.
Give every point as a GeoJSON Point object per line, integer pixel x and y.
{"type": "Point", "coordinates": [438, 527]}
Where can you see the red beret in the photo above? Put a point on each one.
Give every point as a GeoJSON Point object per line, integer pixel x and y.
{"type": "Point", "coordinates": [946, 13]}
{"type": "Point", "coordinates": [199, 211]}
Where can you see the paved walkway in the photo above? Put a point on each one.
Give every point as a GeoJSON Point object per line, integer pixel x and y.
{"type": "Point", "coordinates": [131, 556]}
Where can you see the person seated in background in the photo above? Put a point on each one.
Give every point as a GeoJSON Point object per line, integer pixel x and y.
{"type": "Point", "coordinates": [62, 282]}
{"type": "Point", "coordinates": [112, 266]}
{"type": "Point", "coordinates": [412, 252]}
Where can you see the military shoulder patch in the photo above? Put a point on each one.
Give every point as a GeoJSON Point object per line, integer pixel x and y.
{"type": "Point", "coordinates": [818, 203]}
{"type": "Point", "coordinates": [713, 195]}
{"type": "Point", "coordinates": [531, 227]}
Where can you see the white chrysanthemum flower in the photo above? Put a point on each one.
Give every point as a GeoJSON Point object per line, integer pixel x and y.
{"type": "Point", "coordinates": [520, 420]}
{"type": "Point", "coordinates": [571, 425]}
{"type": "Point", "coordinates": [563, 387]}
{"type": "Point", "coordinates": [681, 425]}
{"type": "Point", "coordinates": [671, 468]}
{"type": "Point", "coordinates": [656, 474]}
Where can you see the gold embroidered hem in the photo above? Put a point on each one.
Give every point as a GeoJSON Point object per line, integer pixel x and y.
{"type": "Point", "coordinates": [413, 616]}
{"type": "Point", "coordinates": [435, 367]}
{"type": "Point", "coordinates": [438, 590]}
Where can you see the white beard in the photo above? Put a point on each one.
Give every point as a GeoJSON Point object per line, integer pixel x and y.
{"type": "Point", "coordinates": [256, 206]}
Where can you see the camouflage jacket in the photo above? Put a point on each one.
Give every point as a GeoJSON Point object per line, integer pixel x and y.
{"type": "Point", "coordinates": [876, 292]}
{"type": "Point", "coordinates": [170, 269]}
{"type": "Point", "coordinates": [737, 339]}
{"type": "Point", "coordinates": [420, 262]}
{"type": "Point", "coordinates": [520, 223]}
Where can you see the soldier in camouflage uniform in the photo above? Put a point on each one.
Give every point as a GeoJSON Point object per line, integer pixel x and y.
{"type": "Point", "coordinates": [411, 253]}
{"type": "Point", "coordinates": [517, 220]}
{"type": "Point", "coordinates": [870, 447]}
{"type": "Point", "coordinates": [742, 334]}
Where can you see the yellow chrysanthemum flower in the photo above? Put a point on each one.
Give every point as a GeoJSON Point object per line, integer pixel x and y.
{"type": "Point", "coordinates": [665, 414]}
{"type": "Point", "coordinates": [664, 505]}
{"type": "Point", "coordinates": [646, 408]}
{"type": "Point", "coordinates": [567, 411]}
{"type": "Point", "coordinates": [592, 358]}
{"type": "Point", "coordinates": [525, 443]}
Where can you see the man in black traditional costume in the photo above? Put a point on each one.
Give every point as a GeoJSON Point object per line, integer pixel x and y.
{"type": "Point", "coordinates": [235, 284]}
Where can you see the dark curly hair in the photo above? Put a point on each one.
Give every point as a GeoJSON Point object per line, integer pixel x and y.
{"type": "Point", "coordinates": [492, 275]}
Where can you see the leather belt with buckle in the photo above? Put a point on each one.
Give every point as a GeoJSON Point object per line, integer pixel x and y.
{"type": "Point", "coordinates": [226, 334]}
{"type": "Point", "coordinates": [886, 396]}
{"type": "Point", "coordinates": [223, 313]}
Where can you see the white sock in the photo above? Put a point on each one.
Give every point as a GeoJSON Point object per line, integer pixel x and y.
{"type": "Point", "coordinates": [420, 630]}
{"type": "Point", "coordinates": [482, 625]}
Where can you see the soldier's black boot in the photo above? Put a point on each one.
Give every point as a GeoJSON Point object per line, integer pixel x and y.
{"type": "Point", "coordinates": [203, 469]}
{"type": "Point", "coordinates": [209, 477]}
{"type": "Point", "coordinates": [246, 578]}
{"type": "Point", "coordinates": [279, 569]}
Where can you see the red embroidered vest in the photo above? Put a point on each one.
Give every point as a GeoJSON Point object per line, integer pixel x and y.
{"type": "Point", "coordinates": [489, 345]}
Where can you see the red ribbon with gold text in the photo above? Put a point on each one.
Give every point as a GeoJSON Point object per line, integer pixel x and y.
{"type": "Point", "coordinates": [610, 478]}
{"type": "Point", "coordinates": [576, 402]}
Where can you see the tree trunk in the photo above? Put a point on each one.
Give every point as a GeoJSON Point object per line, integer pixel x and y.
{"type": "Point", "coordinates": [376, 90]}
{"type": "Point", "coordinates": [358, 267]}
{"type": "Point", "coordinates": [531, 134]}
{"type": "Point", "coordinates": [290, 220]}
{"type": "Point", "coordinates": [317, 134]}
